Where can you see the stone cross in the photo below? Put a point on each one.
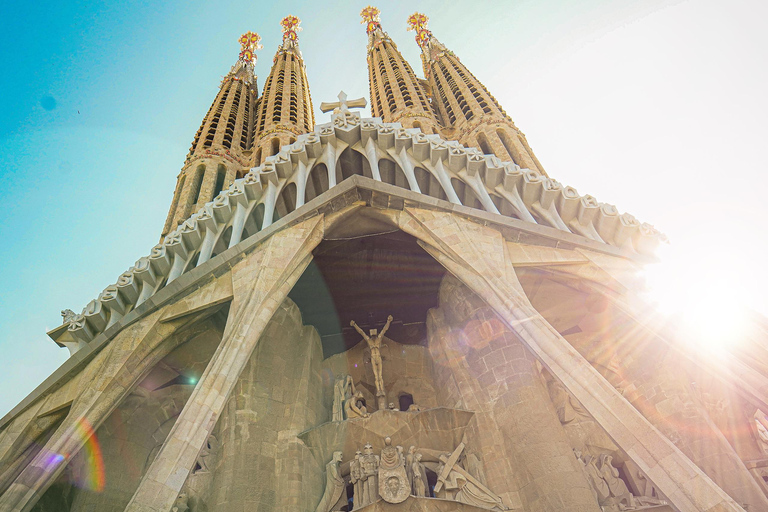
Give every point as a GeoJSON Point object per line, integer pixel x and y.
{"type": "Point", "coordinates": [343, 105]}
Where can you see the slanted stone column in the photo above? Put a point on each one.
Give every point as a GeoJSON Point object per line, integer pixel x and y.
{"type": "Point", "coordinates": [261, 282]}
{"type": "Point", "coordinates": [482, 366]}
{"type": "Point", "coordinates": [262, 465]}
{"type": "Point", "coordinates": [477, 256]}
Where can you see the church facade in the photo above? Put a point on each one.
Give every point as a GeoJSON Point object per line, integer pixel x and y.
{"type": "Point", "coordinates": [402, 312]}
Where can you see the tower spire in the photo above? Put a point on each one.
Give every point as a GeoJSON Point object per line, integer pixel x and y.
{"type": "Point", "coordinates": [397, 95]}
{"type": "Point", "coordinates": [285, 108]}
{"type": "Point", "coordinates": [469, 112]}
{"type": "Point", "coordinates": [222, 147]}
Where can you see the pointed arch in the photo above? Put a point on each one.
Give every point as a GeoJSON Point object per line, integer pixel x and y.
{"type": "Point", "coordinates": [466, 195]}
{"type": "Point", "coordinates": [317, 182]}
{"type": "Point", "coordinates": [351, 162]}
{"type": "Point", "coordinates": [391, 173]}
{"type": "Point", "coordinates": [286, 201]}
{"type": "Point", "coordinates": [254, 222]}
{"type": "Point", "coordinates": [428, 184]}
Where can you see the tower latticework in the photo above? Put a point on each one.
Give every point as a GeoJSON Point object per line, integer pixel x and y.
{"type": "Point", "coordinates": [470, 114]}
{"type": "Point", "coordinates": [285, 107]}
{"type": "Point", "coordinates": [397, 95]}
{"type": "Point", "coordinates": [222, 146]}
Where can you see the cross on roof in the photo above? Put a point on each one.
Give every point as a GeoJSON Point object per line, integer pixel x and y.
{"type": "Point", "coordinates": [343, 105]}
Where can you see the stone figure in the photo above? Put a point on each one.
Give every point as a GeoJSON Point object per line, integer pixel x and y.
{"type": "Point", "coordinates": [393, 479]}
{"type": "Point", "coordinates": [599, 486]}
{"type": "Point", "coordinates": [409, 464]}
{"type": "Point", "coordinates": [414, 408]}
{"type": "Point", "coordinates": [356, 479]}
{"type": "Point", "coordinates": [420, 484]}
{"type": "Point", "coordinates": [392, 407]}
{"type": "Point", "coordinates": [343, 390]}
{"type": "Point", "coordinates": [370, 467]}
{"type": "Point", "coordinates": [181, 504]}
{"type": "Point", "coordinates": [67, 316]}
{"type": "Point", "coordinates": [457, 484]}
{"type": "Point", "coordinates": [568, 408]}
{"type": "Point", "coordinates": [619, 490]}
{"type": "Point", "coordinates": [354, 408]}
{"type": "Point", "coordinates": [334, 484]}
{"type": "Point", "coordinates": [374, 344]}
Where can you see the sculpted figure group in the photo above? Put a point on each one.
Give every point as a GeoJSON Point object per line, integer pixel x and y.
{"type": "Point", "coordinates": [611, 492]}
{"type": "Point", "coordinates": [394, 475]}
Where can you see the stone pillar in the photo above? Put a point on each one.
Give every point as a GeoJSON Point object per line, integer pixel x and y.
{"type": "Point", "coordinates": [262, 465]}
{"type": "Point", "coordinates": [482, 366]}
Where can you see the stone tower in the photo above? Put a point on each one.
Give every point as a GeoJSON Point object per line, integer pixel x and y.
{"type": "Point", "coordinates": [469, 113]}
{"type": "Point", "coordinates": [285, 108]}
{"type": "Point", "coordinates": [221, 149]}
{"type": "Point", "coordinates": [378, 318]}
{"type": "Point", "coordinates": [396, 94]}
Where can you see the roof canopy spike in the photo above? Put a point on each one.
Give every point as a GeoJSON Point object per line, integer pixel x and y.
{"type": "Point", "coordinates": [290, 25]}
{"type": "Point", "coordinates": [249, 43]}
{"type": "Point", "coordinates": [418, 22]}
{"type": "Point", "coordinates": [371, 18]}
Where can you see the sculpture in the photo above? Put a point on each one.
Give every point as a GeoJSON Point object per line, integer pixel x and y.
{"type": "Point", "coordinates": [334, 484]}
{"type": "Point", "coordinates": [609, 489]}
{"type": "Point", "coordinates": [181, 504]}
{"type": "Point", "coordinates": [354, 408]}
{"type": "Point", "coordinates": [356, 478]}
{"type": "Point", "coordinates": [393, 479]}
{"type": "Point", "coordinates": [68, 316]}
{"type": "Point", "coordinates": [455, 483]}
{"type": "Point", "coordinates": [343, 390]}
{"type": "Point", "coordinates": [419, 486]}
{"type": "Point", "coordinates": [374, 344]}
{"type": "Point", "coordinates": [370, 465]}
{"type": "Point", "coordinates": [208, 451]}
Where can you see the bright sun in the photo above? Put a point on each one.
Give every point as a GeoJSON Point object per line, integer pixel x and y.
{"type": "Point", "coordinates": [698, 291]}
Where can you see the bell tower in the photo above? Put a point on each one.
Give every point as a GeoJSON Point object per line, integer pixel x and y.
{"type": "Point", "coordinates": [396, 94]}
{"type": "Point", "coordinates": [470, 114]}
{"type": "Point", "coordinates": [221, 148]}
{"type": "Point", "coordinates": [285, 108]}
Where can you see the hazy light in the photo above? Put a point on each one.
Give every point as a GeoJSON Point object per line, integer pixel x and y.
{"type": "Point", "coordinates": [702, 294]}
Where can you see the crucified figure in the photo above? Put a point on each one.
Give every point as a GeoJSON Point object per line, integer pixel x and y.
{"type": "Point", "coordinates": [374, 343]}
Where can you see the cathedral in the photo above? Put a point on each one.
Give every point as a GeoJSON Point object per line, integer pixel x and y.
{"type": "Point", "coordinates": [395, 313]}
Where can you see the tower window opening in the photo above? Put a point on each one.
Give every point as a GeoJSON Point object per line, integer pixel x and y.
{"type": "Point", "coordinates": [275, 145]}
{"type": "Point", "coordinates": [221, 174]}
{"type": "Point", "coordinates": [482, 141]}
{"type": "Point", "coordinates": [194, 194]}
{"type": "Point", "coordinates": [508, 146]}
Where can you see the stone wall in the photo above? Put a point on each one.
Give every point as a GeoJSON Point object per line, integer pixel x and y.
{"type": "Point", "coordinates": [261, 464]}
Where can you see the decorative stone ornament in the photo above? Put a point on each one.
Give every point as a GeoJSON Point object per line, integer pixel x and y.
{"type": "Point", "coordinates": [393, 479]}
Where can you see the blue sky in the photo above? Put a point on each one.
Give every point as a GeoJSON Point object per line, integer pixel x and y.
{"type": "Point", "coordinates": [656, 106]}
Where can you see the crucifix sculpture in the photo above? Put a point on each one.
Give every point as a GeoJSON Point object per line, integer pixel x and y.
{"type": "Point", "coordinates": [374, 344]}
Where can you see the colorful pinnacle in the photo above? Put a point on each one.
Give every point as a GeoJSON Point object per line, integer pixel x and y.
{"type": "Point", "coordinates": [290, 25]}
{"type": "Point", "coordinates": [249, 42]}
{"type": "Point", "coordinates": [418, 22]}
{"type": "Point", "coordinates": [370, 17]}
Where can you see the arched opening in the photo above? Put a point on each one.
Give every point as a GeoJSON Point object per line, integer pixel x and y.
{"type": "Point", "coordinates": [254, 222]}
{"type": "Point", "coordinates": [221, 175]}
{"type": "Point", "coordinates": [131, 435]}
{"type": "Point", "coordinates": [391, 173]}
{"type": "Point", "coordinates": [275, 146]}
{"type": "Point", "coordinates": [286, 202]}
{"type": "Point", "coordinates": [222, 244]}
{"type": "Point", "coordinates": [317, 182]}
{"type": "Point", "coordinates": [257, 160]}
{"type": "Point", "coordinates": [405, 401]}
{"type": "Point", "coordinates": [482, 141]}
{"type": "Point", "coordinates": [428, 184]}
{"type": "Point", "coordinates": [466, 194]}
{"type": "Point", "coordinates": [417, 124]}
{"type": "Point", "coordinates": [508, 146]}
{"type": "Point", "coordinates": [194, 193]}
{"type": "Point", "coordinates": [350, 163]}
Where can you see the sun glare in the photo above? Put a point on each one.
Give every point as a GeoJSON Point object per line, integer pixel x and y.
{"type": "Point", "coordinates": [700, 295]}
